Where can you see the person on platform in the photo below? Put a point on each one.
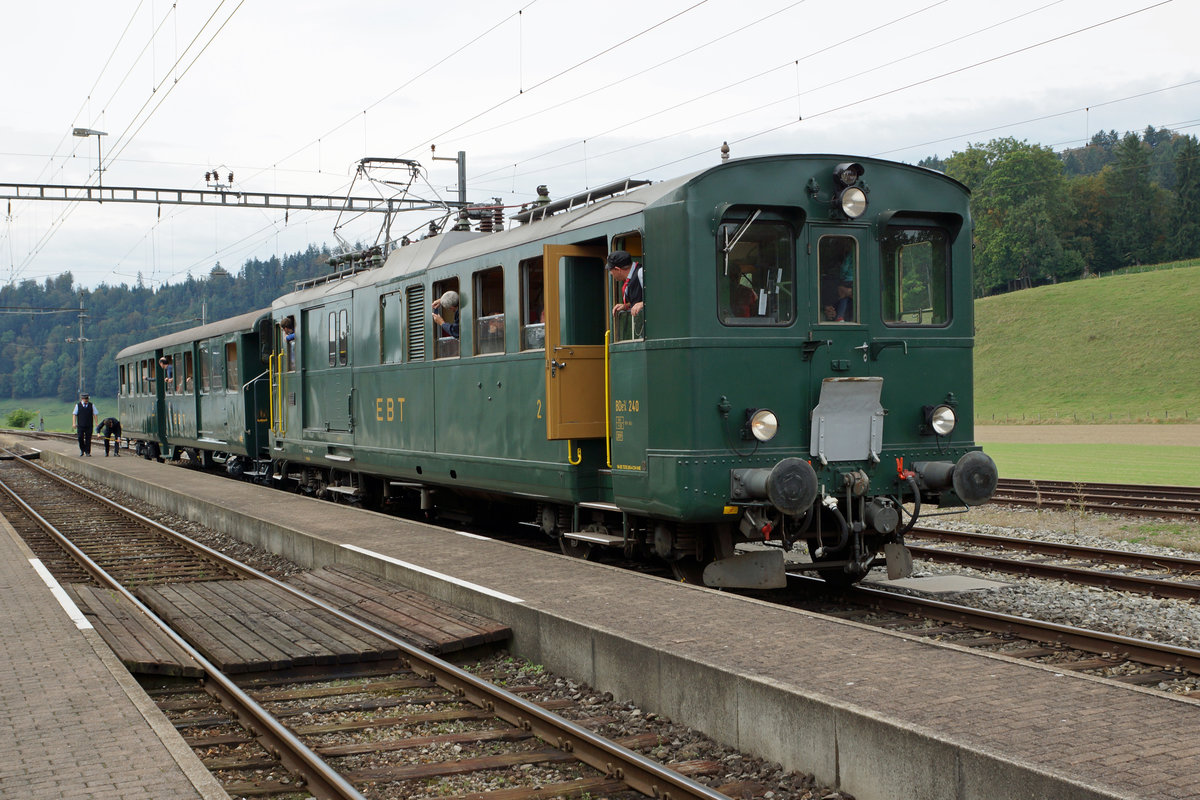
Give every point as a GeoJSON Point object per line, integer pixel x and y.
{"type": "Point", "coordinates": [110, 427]}
{"type": "Point", "coordinates": [82, 418]}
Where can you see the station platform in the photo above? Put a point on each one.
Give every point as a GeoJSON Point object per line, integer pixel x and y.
{"type": "Point", "coordinates": [76, 724]}
{"type": "Point", "coordinates": [879, 714]}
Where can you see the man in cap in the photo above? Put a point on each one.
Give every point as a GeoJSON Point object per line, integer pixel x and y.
{"type": "Point", "coordinates": [83, 417]}
{"type": "Point", "coordinates": [625, 269]}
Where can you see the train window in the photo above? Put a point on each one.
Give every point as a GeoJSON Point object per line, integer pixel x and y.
{"type": "Point", "coordinates": [231, 367]}
{"type": "Point", "coordinates": [333, 338]}
{"type": "Point", "coordinates": [489, 310]}
{"type": "Point", "coordinates": [533, 301]}
{"type": "Point", "coordinates": [216, 367]}
{"type": "Point", "coordinates": [177, 362]}
{"type": "Point", "coordinates": [188, 383]}
{"type": "Point", "coordinates": [343, 337]}
{"type": "Point", "coordinates": [446, 334]}
{"type": "Point", "coordinates": [627, 325]}
{"type": "Point", "coordinates": [756, 266]}
{"type": "Point", "coordinates": [391, 336]}
{"type": "Point", "coordinates": [837, 268]}
{"type": "Point", "coordinates": [205, 368]}
{"type": "Point", "coordinates": [417, 310]}
{"type": "Point", "coordinates": [915, 275]}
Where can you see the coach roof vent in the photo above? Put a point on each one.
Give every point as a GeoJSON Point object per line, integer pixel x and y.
{"type": "Point", "coordinates": [579, 200]}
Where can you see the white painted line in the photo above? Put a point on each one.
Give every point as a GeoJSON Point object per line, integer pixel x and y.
{"type": "Point", "coordinates": [440, 576]}
{"type": "Point", "coordinates": [60, 595]}
{"type": "Point", "coordinates": [473, 536]}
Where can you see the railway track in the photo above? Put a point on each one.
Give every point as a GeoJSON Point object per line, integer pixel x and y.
{"type": "Point", "coordinates": [1149, 501]}
{"type": "Point", "coordinates": [1161, 575]}
{"type": "Point", "coordinates": [421, 719]}
{"type": "Point", "coordinates": [1122, 658]}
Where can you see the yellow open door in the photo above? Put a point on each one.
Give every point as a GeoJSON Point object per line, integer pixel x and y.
{"type": "Point", "coordinates": [575, 325]}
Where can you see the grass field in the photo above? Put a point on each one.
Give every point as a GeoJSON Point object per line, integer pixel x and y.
{"type": "Point", "coordinates": [1120, 349]}
{"type": "Point", "coordinates": [1101, 463]}
{"type": "Point", "coordinates": [55, 413]}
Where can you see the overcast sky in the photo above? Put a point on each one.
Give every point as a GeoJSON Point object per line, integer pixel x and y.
{"type": "Point", "coordinates": [289, 95]}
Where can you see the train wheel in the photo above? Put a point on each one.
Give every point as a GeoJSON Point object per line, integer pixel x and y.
{"type": "Point", "coordinates": [689, 569]}
{"type": "Point", "coordinates": [575, 548]}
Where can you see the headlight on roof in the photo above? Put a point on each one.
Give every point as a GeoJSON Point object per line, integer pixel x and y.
{"type": "Point", "coordinates": [942, 419]}
{"type": "Point", "coordinates": [763, 424]}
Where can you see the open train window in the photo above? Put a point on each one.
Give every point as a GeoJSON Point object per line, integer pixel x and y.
{"type": "Point", "coordinates": [626, 324]}
{"type": "Point", "coordinates": [445, 335]}
{"type": "Point", "coordinates": [756, 269]}
{"type": "Point", "coordinates": [488, 286]}
{"type": "Point", "coordinates": [915, 276]}
{"type": "Point", "coordinates": [533, 305]}
{"type": "Point", "coordinates": [188, 384]}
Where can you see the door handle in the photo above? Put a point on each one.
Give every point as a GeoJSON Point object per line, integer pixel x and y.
{"type": "Point", "coordinates": [865, 348]}
{"type": "Point", "coordinates": [555, 366]}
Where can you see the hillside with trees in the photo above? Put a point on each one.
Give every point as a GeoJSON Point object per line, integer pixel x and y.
{"type": "Point", "coordinates": [37, 360]}
{"type": "Point", "coordinates": [1045, 217]}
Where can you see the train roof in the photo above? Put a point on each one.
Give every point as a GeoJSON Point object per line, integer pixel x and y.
{"type": "Point", "coordinates": [453, 246]}
{"type": "Point", "coordinates": [242, 323]}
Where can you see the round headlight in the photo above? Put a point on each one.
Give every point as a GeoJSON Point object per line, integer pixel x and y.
{"type": "Point", "coordinates": [764, 425]}
{"type": "Point", "coordinates": [853, 202]}
{"type": "Point", "coordinates": [942, 420]}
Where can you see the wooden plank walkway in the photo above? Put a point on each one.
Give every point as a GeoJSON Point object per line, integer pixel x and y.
{"type": "Point", "coordinates": [142, 647]}
{"type": "Point", "coordinates": [250, 626]}
{"type": "Point", "coordinates": [414, 617]}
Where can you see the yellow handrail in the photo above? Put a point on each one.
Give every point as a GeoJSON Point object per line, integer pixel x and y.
{"type": "Point", "coordinates": [271, 389]}
{"type": "Point", "coordinates": [607, 403]}
{"type": "Point", "coordinates": [578, 455]}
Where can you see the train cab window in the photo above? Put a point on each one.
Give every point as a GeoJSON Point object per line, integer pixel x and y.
{"type": "Point", "coordinates": [915, 275]}
{"type": "Point", "coordinates": [837, 267]}
{"type": "Point", "coordinates": [756, 268]}
{"type": "Point", "coordinates": [233, 382]}
{"type": "Point", "coordinates": [121, 389]}
{"type": "Point", "coordinates": [488, 286]}
{"type": "Point", "coordinates": [445, 334]}
{"type": "Point", "coordinates": [533, 301]}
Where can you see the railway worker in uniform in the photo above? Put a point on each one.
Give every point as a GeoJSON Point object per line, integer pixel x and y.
{"type": "Point", "coordinates": [82, 418]}
{"type": "Point", "coordinates": [625, 269]}
{"type": "Point", "coordinates": [445, 314]}
{"type": "Point", "coordinates": [110, 427]}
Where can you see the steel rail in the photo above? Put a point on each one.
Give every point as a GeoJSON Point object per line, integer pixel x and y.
{"type": "Point", "coordinates": [1141, 650]}
{"type": "Point", "coordinates": [320, 778]}
{"type": "Point", "coordinates": [1143, 560]}
{"type": "Point", "coordinates": [640, 773]}
{"type": "Point", "coordinates": [1156, 587]}
{"type": "Point", "coordinates": [1143, 490]}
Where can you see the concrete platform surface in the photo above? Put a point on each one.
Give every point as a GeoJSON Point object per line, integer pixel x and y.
{"type": "Point", "coordinates": [76, 724]}
{"type": "Point", "coordinates": [880, 714]}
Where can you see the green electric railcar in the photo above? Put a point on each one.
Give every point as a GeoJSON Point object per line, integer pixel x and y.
{"type": "Point", "coordinates": [800, 373]}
